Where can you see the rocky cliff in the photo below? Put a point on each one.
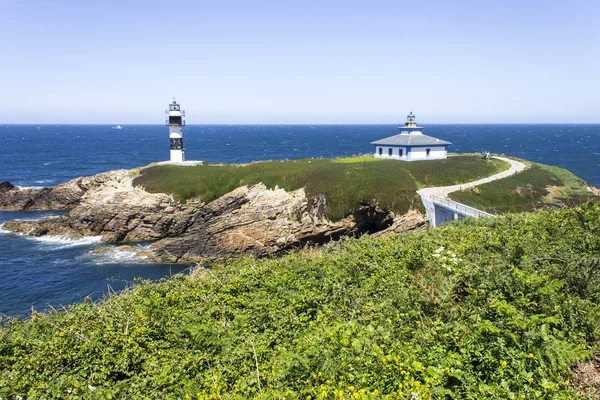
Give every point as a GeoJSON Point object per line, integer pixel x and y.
{"type": "Point", "coordinates": [248, 220]}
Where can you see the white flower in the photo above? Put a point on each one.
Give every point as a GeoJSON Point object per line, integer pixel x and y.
{"type": "Point", "coordinates": [91, 387]}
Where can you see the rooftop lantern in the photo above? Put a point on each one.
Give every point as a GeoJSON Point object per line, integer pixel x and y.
{"type": "Point", "coordinates": [411, 121]}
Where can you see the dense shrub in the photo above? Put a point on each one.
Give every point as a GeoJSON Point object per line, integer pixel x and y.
{"type": "Point", "coordinates": [498, 308]}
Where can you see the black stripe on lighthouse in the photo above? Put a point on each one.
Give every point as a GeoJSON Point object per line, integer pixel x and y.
{"type": "Point", "coordinates": [176, 143]}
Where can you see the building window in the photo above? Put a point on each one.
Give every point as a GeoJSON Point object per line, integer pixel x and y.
{"type": "Point", "coordinates": [390, 150]}
{"type": "Point", "coordinates": [427, 152]}
{"type": "Point", "coordinates": [380, 151]}
{"type": "Point", "coordinates": [400, 152]}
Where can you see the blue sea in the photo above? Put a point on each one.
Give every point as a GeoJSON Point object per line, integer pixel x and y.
{"type": "Point", "coordinates": [44, 272]}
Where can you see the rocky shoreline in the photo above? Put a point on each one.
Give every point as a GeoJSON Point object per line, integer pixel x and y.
{"type": "Point", "coordinates": [248, 220]}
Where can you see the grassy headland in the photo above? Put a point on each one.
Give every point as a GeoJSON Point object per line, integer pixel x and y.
{"type": "Point", "coordinates": [489, 309]}
{"type": "Point", "coordinates": [533, 188]}
{"type": "Point", "coordinates": [344, 182]}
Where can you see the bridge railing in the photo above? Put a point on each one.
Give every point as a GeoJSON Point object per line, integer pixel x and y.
{"type": "Point", "coordinates": [461, 207]}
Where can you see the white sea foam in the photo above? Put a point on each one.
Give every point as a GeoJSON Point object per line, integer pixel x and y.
{"type": "Point", "coordinates": [38, 218]}
{"type": "Point", "coordinates": [56, 242]}
{"type": "Point", "coordinates": [63, 242]}
{"type": "Point", "coordinates": [117, 256]}
{"type": "Point", "coordinates": [29, 187]}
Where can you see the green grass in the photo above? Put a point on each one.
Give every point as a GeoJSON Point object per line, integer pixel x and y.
{"type": "Point", "coordinates": [525, 191]}
{"type": "Point", "coordinates": [355, 159]}
{"type": "Point", "coordinates": [345, 182]}
{"type": "Point", "coordinates": [488, 309]}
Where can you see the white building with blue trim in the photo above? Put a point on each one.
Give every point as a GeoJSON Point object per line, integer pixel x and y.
{"type": "Point", "coordinates": [411, 144]}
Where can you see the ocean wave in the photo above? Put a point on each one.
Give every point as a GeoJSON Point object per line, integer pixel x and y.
{"type": "Point", "coordinates": [62, 242]}
{"type": "Point", "coordinates": [116, 256]}
{"type": "Point", "coordinates": [30, 187]}
{"type": "Point", "coordinates": [40, 217]}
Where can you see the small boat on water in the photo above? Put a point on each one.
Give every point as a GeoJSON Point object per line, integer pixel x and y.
{"type": "Point", "coordinates": [117, 127]}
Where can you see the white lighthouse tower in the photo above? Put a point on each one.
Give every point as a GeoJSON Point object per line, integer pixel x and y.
{"type": "Point", "coordinates": [175, 122]}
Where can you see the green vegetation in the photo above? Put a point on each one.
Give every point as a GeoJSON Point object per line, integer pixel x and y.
{"type": "Point", "coordinates": [537, 186]}
{"type": "Point", "coordinates": [344, 182]}
{"type": "Point", "coordinates": [488, 309]}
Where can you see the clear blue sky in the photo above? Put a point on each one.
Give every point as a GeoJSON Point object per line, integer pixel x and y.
{"type": "Point", "coordinates": [307, 61]}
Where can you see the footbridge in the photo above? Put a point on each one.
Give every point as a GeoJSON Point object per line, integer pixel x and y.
{"type": "Point", "coordinates": [441, 209]}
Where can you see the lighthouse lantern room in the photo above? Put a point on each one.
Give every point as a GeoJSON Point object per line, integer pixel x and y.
{"type": "Point", "coordinates": [175, 122]}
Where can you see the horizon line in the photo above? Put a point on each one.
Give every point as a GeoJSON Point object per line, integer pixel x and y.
{"type": "Point", "coordinates": [298, 124]}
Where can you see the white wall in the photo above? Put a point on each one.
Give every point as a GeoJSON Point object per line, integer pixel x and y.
{"type": "Point", "coordinates": [385, 152]}
{"type": "Point", "coordinates": [177, 156]}
{"type": "Point", "coordinates": [420, 153]}
{"type": "Point", "coordinates": [416, 153]}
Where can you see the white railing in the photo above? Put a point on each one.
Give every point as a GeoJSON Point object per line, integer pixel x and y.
{"type": "Point", "coordinates": [461, 207]}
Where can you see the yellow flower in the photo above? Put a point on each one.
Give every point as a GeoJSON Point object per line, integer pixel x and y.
{"type": "Point", "coordinates": [530, 355]}
{"type": "Point", "coordinates": [530, 380]}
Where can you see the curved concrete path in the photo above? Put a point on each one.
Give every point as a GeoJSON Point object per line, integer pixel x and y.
{"type": "Point", "coordinates": [443, 191]}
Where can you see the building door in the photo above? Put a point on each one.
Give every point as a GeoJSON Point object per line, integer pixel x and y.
{"type": "Point", "coordinates": [380, 151]}
{"type": "Point", "coordinates": [390, 150]}
{"type": "Point", "coordinates": [400, 152]}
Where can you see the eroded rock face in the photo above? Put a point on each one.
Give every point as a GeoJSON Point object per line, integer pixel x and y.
{"type": "Point", "coordinates": [60, 197]}
{"type": "Point", "coordinates": [252, 220]}
{"type": "Point", "coordinates": [248, 220]}
{"type": "Point", "coordinates": [109, 206]}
